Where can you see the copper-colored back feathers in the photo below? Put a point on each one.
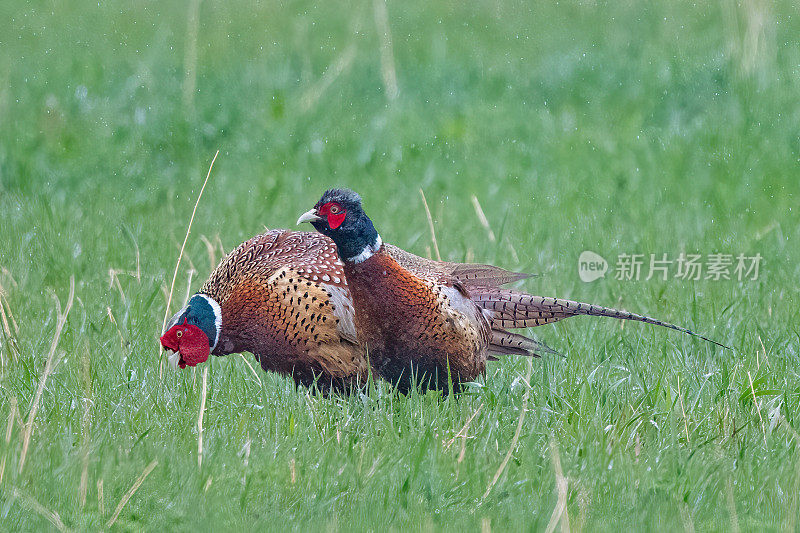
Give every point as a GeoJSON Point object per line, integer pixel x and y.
{"type": "Point", "coordinates": [284, 298]}
{"type": "Point", "coordinates": [413, 323]}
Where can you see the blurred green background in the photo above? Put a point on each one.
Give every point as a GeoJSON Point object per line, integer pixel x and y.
{"type": "Point", "coordinates": [613, 127]}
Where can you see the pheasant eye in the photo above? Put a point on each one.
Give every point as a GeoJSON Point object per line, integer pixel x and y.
{"type": "Point", "coordinates": [179, 333]}
{"type": "Point", "coordinates": [335, 213]}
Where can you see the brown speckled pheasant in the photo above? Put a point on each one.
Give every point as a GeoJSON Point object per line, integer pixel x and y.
{"type": "Point", "coordinates": [431, 326]}
{"type": "Point", "coordinates": [283, 297]}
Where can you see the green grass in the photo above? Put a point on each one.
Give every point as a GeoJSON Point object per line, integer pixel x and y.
{"type": "Point", "coordinates": [618, 128]}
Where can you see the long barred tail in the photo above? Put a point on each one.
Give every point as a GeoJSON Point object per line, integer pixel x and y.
{"type": "Point", "coordinates": [513, 309]}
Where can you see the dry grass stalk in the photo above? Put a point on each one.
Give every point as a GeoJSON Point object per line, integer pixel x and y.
{"type": "Point", "coordinates": [200, 418]}
{"type": "Point", "coordinates": [4, 300]}
{"type": "Point", "coordinates": [764, 351]}
{"type": "Point", "coordinates": [334, 70]}
{"type": "Point", "coordinates": [113, 273]}
{"type": "Point", "coordinates": [149, 468]}
{"type": "Point", "coordinates": [221, 247]}
{"type": "Point", "coordinates": [388, 71]}
{"type": "Point", "coordinates": [482, 218]}
{"type": "Point", "coordinates": [6, 328]}
{"type": "Point", "coordinates": [767, 230]}
{"type": "Point", "coordinates": [244, 453]}
{"type": "Point", "coordinates": [191, 273]}
{"type": "Point", "coordinates": [178, 263]}
{"type": "Point", "coordinates": [87, 402]}
{"type": "Point", "coordinates": [7, 320]}
{"type": "Point", "coordinates": [7, 275]}
{"type": "Point", "coordinates": [757, 48]}
{"type": "Point", "coordinates": [314, 416]}
{"type": "Point", "coordinates": [52, 516]}
{"type": "Point", "coordinates": [685, 422]}
{"type": "Point", "coordinates": [790, 524]}
{"type": "Point", "coordinates": [517, 433]}
{"type": "Point", "coordinates": [512, 250]}
{"type": "Point", "coordinates": [463, 431]}
{"type": "Point", "coordinates": [732, 506]}
{"type": "Point", "coordinates": [560, 513]}
{"type": "Point", "coordinates": [461, 454]}
{"type": "Point", "coordinates": [292, 470]}
{"type": "Point", "coordinates": [686, 517]}
{"type": "Point", "coordinates": [114, 321]}
{"type": "Point", "coordinates": [748, 29]}
{"type": "Point", "coordinates": [48, 368]}
{"type": "Point", "coordinates": [101, 501]}
{"type": "Point", "coordinates": [758, 408]}
{"type": "Point", "coordinates": [210, 249]}
{"type": "Point", "coordinates": [165, 291]}
{"type": "Point", "coordinates": [12, 414]}
{"type": "Point", "coordinates": [253, 370]}
{"type": "Point", "coordinates": [430, 225]}
{"type": "Point", "coordinates": [114, 282]}
{"type": "Point", "coordinates": [584, 499]}
{"type": "Point", "coordinates": [190, 57]}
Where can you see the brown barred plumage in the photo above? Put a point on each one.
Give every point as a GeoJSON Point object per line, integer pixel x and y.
{"type": "Point", "coordinates": [284, 297]}
{"type": "Point", "coordinates": [287, 298]}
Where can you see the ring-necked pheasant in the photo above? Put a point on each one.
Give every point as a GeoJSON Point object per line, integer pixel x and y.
{"type": "Point", "coordinates": [283, 296]}
{"type": "Point", "coordinates": [430, 326]}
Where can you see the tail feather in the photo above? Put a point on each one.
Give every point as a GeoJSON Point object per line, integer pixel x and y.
{"type": "Point", "coordinates": [469, 274]}
{"type": "Point", "coordinates": [515, 309]}
{"type": "Point", "coordinates": [505, 343]}
{"type": "Point", "coordinates": [477, 275]}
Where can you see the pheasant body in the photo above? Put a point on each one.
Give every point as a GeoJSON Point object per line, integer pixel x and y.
{"type": "Point", "coordinates": [422, 328]}
{"type": "Point", "coordinates": [415, 328]}
{"type": "Point", "coordinates": [284, 298]}
{"type": "Point", "coordinates": [289, 299]}
{"type": "Point", "coordinates": [434, 324]}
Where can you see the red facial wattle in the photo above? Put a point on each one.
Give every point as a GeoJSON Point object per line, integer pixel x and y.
{"type": "Point", "coordinates": [334, 221]}
{"type": "Point", "coordinates": [189, 341]}
{"type": "Point", "coordinates": [334, 213]}
{"type": "Point", "coordinates": [194, 346]}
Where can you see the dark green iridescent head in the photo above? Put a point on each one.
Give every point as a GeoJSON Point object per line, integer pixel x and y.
{"type": "Point", "coordinates": [340, 216]}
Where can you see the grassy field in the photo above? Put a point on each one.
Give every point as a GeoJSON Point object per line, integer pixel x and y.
{"type": "Point", "coordinates": [612, 127]}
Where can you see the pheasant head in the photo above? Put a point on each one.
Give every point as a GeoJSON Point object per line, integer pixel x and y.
{"type": "Point", "coordinates": [339, 215]}
{"type": "Point", "coordinates": [193, 332]}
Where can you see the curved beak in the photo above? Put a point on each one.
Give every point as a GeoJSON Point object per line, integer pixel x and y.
{"type": "Point", "coordinates": [173, 350]}
{"type": "Point", "coordinates": [308, 216]}
{"type": "Point", "coordinates": [174, 360]}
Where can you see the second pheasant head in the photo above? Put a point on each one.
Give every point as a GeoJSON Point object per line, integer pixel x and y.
{"type": "Point", "coordinates": [339, 215]}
